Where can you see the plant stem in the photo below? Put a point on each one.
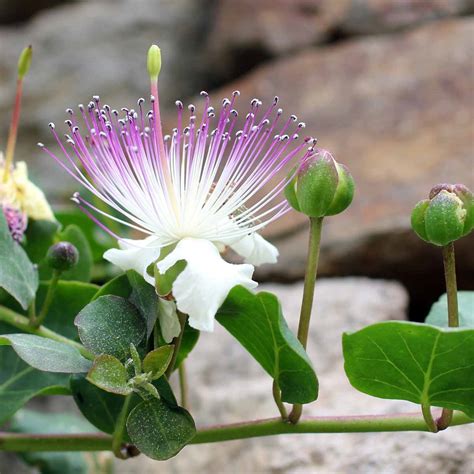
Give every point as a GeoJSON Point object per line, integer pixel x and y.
{"type": "Point", "coordinates": [449, 262]}
{"type": "Point", "coordinates": [249, 429]}
{"type": "Point", "coordinates": [17, 320]}
{"type": "Point", "coordinates": [316, 224]}
{"type": "Point", "coordinates": [120, 430]}
{"type": "Point", "coordinates": [177, 343]}
{"type": "Point", "coordinates": [183, 385]}
{"type": "Point", "coordinates": [37, 321]}
{"type": "Point", "coordinates": [10, 151]}
{"type": "Point", "coordinates": [279, 403]}
{"type": "Point", "coordinates": [428, 417]}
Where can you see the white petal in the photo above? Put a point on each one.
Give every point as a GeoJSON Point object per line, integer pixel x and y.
{"type": "Point", "coordinates": [168, 318]}
{"type": "Point", "coordinates": [201, 288]}
{"type": "Point", "coordinates": [135, 255]}
{"type": "Point", "coordinates": [255, 249]}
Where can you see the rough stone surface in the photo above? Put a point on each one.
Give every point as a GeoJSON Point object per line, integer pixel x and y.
{"type": "Point", "coordinates": [401, 120]}
{"type": "Point", "coordinates": [226, 385]}
{"type": "Point", "coordinates": [269, 28]}
{"type": "Point", "coordinates": [102, 51]}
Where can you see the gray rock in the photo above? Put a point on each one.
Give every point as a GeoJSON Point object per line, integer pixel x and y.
{"type": "Point", "coordinates": [226, 386]}
{"type": "Point", "coordinates": [100, 48]}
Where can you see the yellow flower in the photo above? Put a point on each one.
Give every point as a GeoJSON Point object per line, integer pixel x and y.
{"type": "Point", "coordinates": [21, 193]}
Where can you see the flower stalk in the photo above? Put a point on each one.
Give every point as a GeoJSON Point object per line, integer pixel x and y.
{"type": "Point", "coordinates": [449, 262]}
{"type": "Point", "coordinates": [308, 294]}
{"type": "Point", "coordinates": [119, 431]}
{"type": "Point", "coordinates": [23, 67]}
{"type": "Point", "coordinates": [37, 321]}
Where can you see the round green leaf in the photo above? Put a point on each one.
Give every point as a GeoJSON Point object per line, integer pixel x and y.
{"type": "Point", "coordinates": [109, 324]}
{"type": "Point", "coordinates": [157, 361]}
{"type": "Point", "coordinates": [159, 430]}
{"type": "Point", "coordinates": [109, 374]}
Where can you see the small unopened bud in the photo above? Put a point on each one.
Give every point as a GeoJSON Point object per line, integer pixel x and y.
{"type": "Point", "coordinates": [446, 216]}
{"type": "Point", "coordinates": [154, 62]}
{"type": "Point", "coordinates": [24, 62]}
{"type": "Point", "coordinates": [62, 256]}
{"type": "Point", "coordinates": [321, 186]}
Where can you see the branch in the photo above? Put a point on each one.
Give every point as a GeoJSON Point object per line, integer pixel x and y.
{"type": "Point", "coordinates": [250, 429]}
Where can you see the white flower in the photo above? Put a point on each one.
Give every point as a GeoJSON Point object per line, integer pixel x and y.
{"type": "Point", "coordinates": [197, 190]}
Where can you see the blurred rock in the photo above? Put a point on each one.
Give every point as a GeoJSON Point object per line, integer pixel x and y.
{"type": "Point", "coordinates": [15, 12]}
{"type": "Point", "coordinates": [247, 32]}
{"type": "Point", "coordinates": [397, 110]}
{"type": "Point", "coordinates": [381, 16]}
{"type": "Point", "coordinates": [100, 48]}
{"type": "Point", "coordinates": [226, 386]}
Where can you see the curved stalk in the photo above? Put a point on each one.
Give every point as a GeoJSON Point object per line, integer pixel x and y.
{"type": "Point", "coordinates": [316, 224]}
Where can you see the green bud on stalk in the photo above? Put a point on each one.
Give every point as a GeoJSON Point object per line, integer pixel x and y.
{"type": "Point", "coordinates": [24, 62]}
{"type": "Point", "coordinates": [446, 216]}
{"type": "Point", "coordinates": [62, 256]}
{"type": "Point", "coordinates": [320, 187]}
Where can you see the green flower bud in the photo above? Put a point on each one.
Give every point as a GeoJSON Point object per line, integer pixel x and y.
{"type": "Point", "coordinates": [446, 216]}
{"type": "Point", "coordinates": [320, 187]}
{"type": "Point", "coordinates": [154, 62]}
{"type": "Point", "coordinates": [62, 256]}
{"type": "Point", "coordinates": [24, 62]}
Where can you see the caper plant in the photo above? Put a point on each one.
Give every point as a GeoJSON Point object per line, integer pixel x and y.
{"type": "Point", "coordinates": [167, 207]}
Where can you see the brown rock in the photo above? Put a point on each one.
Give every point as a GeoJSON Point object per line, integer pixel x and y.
{"type": "Point", "coordinates": [398, 111]}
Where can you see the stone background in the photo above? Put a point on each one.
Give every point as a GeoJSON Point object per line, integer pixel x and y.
{"type": "Point", "coordinates": [386, 85]}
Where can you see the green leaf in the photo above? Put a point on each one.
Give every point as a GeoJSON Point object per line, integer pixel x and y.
{"type": "Point", "coordinates": [19, 382]}
{"type": "Point", "coordinates": [102, 408]}
{"type": "Point", "coordinates": [109, 325]}
{"type": "Point", "coordinates": [40, 235]}
{"type": "Point", "coordinates": [189, 341]}
{"type": "Point", "coordinates": [438, 315]}
{"type": "Point", "coordinates": [18, 276]}
{"type": "Point", "coordinates": [415, 362]}
{"type": "Point", "coordinates": [45, 354]}
{"type": "Point", "coordinates": [157, 361]}
{"type": "Point", "coordinates": [144, 297]}
{"type": "Point", "coordinates": [159, 430]}
{"type": "Point", "coordinates": [257, 322]}
{"type": "Point", "coordinates": [29, 421]}
{"type": "Point", "coordinates": [109, 374]}
{"type": "Point", "coordinates": [118, 286]}
{"type": "Point", "coordinates": [99, 241]}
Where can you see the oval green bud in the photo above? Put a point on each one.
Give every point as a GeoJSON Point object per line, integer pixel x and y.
{"type": "Point", "coordinates": [24, 62]}
{"type": "Point", "coordinates": [321, 186]}
{"type": "Point", "coordinates": [62, 256]}
{"type": "Point", "coordinates": [154, 62]}
{"type": "Point", "coordinates": [446, 216]}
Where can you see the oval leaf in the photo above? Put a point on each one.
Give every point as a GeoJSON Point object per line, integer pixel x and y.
{"type": "Point", "coordinates": [109, 324]}
{"type": "Point", "coordinates": [157, 361]}
{"type": "Point", "coordinates": [18, 276]}
{"type": "Point", "coordinates": [46, 354]}
{"type": "Point", "coordinates": [415, 362]}
{"type": "Point", "coordinates": [109, 374]}
{"type": "Point", "coordinates": [159, 430]}
{"type": "Point", "coordinates": [257, 322]}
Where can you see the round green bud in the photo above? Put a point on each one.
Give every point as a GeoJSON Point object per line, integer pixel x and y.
{"type": "Point", "coordinates": [62, 256]}
{"type": "Point", "coordinates": [446, 216]}
{"type": "Point", "coordinates": [24, 62]}
{"type": "Point", "coordinates": [320, 187]}
{"type": "Point", "coordinates": [154, 62]}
